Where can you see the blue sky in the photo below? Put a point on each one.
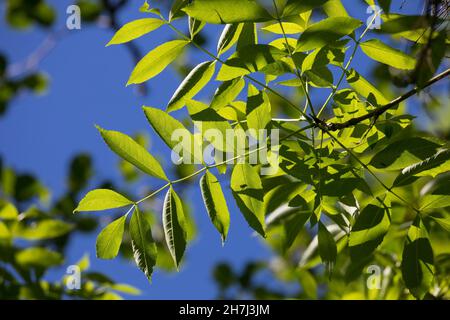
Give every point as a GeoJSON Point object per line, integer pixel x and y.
{"type": "Point", "coordinates": [87, 87]}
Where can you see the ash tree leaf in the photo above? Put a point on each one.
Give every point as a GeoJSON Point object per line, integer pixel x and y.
{"type": "Point", "coordinates": [288, 28]}
{"type": "Point", "coordinates": [403, 153]}
{"type": "Point", "coordinates": [296, 7]}
{"type": "Point", "coordinates": [259, 113]}
{"type": "Point", "coordinates": [364, 88]}
{"type": "Point", "coordinates": [381, 52]}
{"type": "Point", "coordinates": [229, 37]}
{"type": "Point", "coordinates": [195, 26]}
{"type": "Point", "coordinates": [215, 203]}
{"type": "Point", "coordinates": [437, 195]}
{"type": "Point", "coordinates": [154, 62]}
{"type": "Point", "coordinates": [165, 125]}
{"type": "Point", "coordinates": [326, 31]}
{"type": "Point", "coordinates": [131, 151]}
{"type": "Point", "coordinates": [175, 226]}
{"type": "Point", "coordinates": [250, 59]}
{"type": "Point", "coordinates": [135, 29]}
{"type": "Point", "coordinates": [41, 230]}
{"type": "Point", "coordinates": [110, 238]}
{"type": "Point", "coordinates": [443, 222]}
{"type": "Point", "coordinates": [418, 261]}
{"type": "Point", "coordinates": [144, 247]}
{"type": "Point", "coordinates": [176, 9]}
{"type": "Point", "coordinates": [320, 77]}
{"type": "Point", "coordinates": [248, 193]}
{"type": "Point", "coordinates": [191, 85]}
{"type": "Point", "coordinates": [4, 231]}
{"type": "Point", "coordinates": [8, 211]}
{"type": "Point", "coordinates": [432, 166]}
{"type": "Point", "coordinates": [102, 199]}
{"type": "Point", "coordinates": [368, 232]}
{"type": "Point", "coordinates": [227, 11]}
{"type": "Point", "coordinates": [327, 247]}
{"type": "Point", "coordinates": [248, 36]}
{"type": "Point", "coordinates": [227, 92]}
{"type": "Point", "coordinates": [335, 8]}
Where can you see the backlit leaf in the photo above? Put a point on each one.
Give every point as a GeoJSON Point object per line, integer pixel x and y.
{"type": "Point", "coordinates": [102, 199]}
{"type": "Point", "coordinates": [156, 61]}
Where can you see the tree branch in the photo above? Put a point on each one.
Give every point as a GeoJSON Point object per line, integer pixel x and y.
{"type": "Point", "coordinates": [379, 111]}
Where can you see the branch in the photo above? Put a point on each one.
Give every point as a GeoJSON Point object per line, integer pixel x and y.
{"type": "Point", "coordinates": [379, 111]}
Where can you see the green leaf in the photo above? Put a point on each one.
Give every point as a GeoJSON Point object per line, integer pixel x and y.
{"type": "Point", "coordinates": [296, 7]}
{"type": "Point", "coordinates": [229, 37]}
{"type": "Point", "coordinates": [250, 59]}
{"type": "Point", "coordinates": [39, 258]}
{"type": "Point", "coordinates": [335, 8]}
{"type": "Point", "coordinates": [383, 53]}
{"type": "Point", "coordinates": [248, 36]}
{"type": "Point", "coordinates": [215, 203]}
{"type": "Point", "coordinates": [368, 232]}
{"type": "Point", "coordinates": [195, 27]}
{"type": "Point", "coordinates": [364, 88]}
{"type": "Point", "coordinates": [432, 166]}
{"type": "Point", "coordinates": [327, 247]}
{"type": "Point", "coordinates": [110, 238]}
{"type": "Point", "coordinates": [320, 77]}
{"type": "Point", "coordinates": [8, 211]}
{"type": "Point", "coordinates": [417, 261]}
{"type": "Point", "coordinates": [165, 125]}
{"type": "Point", "coordinates": [102, 199]}
{"type": "Point", "coordinates": [227, 11]}
{"type": "Point", "coordinates": [135, 29]}
{"type": "Point", "coordinates": [227, 92]}
{"type": "Point", "coordinates": [443, 222]}
{"type": "Point", "coordinates": [131, 151]}
{"type": "Point", "coordinates": [248, 193]}
{"type": "Point", "coordinates": [192, 84]}
{"type": "Point", "coordinates": [41, 230]}
{"type": "Point", "coordinates": [326, 31]}
{"type": "Point", "coordinates": [259, 113]}
{"type": "Point", "coordinates": [175, 226]}
{"type": "Point", "coordinates": [156, 61]}
{"type": "Point", "coordinates": [403, 153]}
{"type": "Point", "coordinates": [144, 247]}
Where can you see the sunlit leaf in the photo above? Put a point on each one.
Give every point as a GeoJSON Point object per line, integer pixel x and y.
{"type": "Point", "coordinates": [247, 190]}
{"type": "Point", "coordinates": [156, 61]}
{"type": "Point", "coordinates": [102, 199]}
{"type": "Point", "coordinates": [215, 203]}
{"type": "Point", "coordinates": [174, 223]}
{"type": "Point", "coordinates": [326, 31]}
{"type": "Point", "coordinates": [383, 53]}
{"type": "Point", "coordinates": [192, 84]}
{"type": "Point", "coordinates": [144, 247]}
{"type": "Point", "coordinates": [227, 11]}
{"type": "Point", "coordinates": [110, 238]}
